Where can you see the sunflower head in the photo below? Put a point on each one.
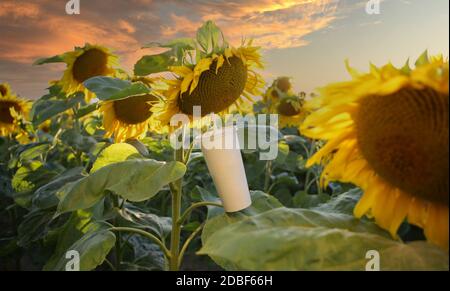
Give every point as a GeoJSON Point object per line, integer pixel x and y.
{"type": "Point", "coordinates": [388, 132]}
{"type": "Point", "coordinates": [216, 81]}
{"type": "Point", "coordinates": [12, 110]}
{"type": "Point", "coordinates": [128, 118]}
{"type": "Point", "coordinates": [84, 63]}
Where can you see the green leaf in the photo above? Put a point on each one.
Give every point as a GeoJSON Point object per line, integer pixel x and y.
{"type": "Point", "coordinates": [115, 153]}
{"type": "Point", "coordinates": [45, 197]}
{"type": "Point", "coordinates": [308, 201]}
{"type": "Point", "coordinates": [54, 59]}
{"type": "Point", "coordinates": [85, 110]}
{"type": "Point", "coordinates": [93, 248]}
{"type": "Point", "coordinates": [154, 64]}
{"type": "Point", "coordinates": [79, 223]}
{"type": "Point", "coordinates": [261, 202]}
{"type": "Point", "coordinates": [201, 194]}
{"type": "Point", "coordinates": [209, 37]}
{"type": "Point", "coordinates": [342, 203]}
{"type": "Point", "coordinates": [283, 152]}
{"type": "Point", "coordinates": [300, 239]}
{"type": "Point", "coordinates": [147, 255]}
{"type": "Point", "coordinates": [23, 154]}
{"type": "Point", "coordinates": [137, 218]}
{"type": "Point", "coordinates": [28, 178]}
{"type": "Point", "coordinates": [33, 152]}
{"type": "Point", "coordinates": [107, 88]}
{"type": "Point", "coordinates": [135, 180]}
{"type": "Point", "coordinates": [33, 227]}
{"type": "Point", "coordinates": [44, 109]}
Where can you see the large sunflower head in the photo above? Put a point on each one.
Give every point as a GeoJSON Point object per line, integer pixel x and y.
{"type": "Point", "coordinates": [128, 118]}
{"type": "Point", "coordinates": [12, 109]}
{"type": "Point", "coordinates": [85, 63]}
{"type": "Point", "coordinates": [387, 132]}
{"type": "Point", "coordinates": [216, 82]}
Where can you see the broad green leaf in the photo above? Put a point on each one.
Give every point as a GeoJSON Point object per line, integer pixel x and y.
{"type": "Point", "coordinates": [209, 36]}
{"type": "Point", "coordinates": [285, 179]}
{"type": "Point", "coordinates": [135, 217]}
{"type": "Point", "coordinates": [107, 88]}
{"type": "Point", "coordinates": [147, 255]}
{"type": "Point", "coordinates": [300, 239]}
{"type": "Point", "coordinates": [342, 203]}
{"type": "Point", "coordinates": [261, 202]}
{"type": "Point", "coordinates": [154, 64]}
{"type": "Point", "coordinates": [115, 153]}
{"type": "Point", "coordinates": [308, 201]}
{"type": "Point", "coordinates": [93, 248]}
{"type": "Point", "coordinates": [33, 227]}
{"type": "Point", "coordinates": [54, 59]}
{"type": "Point", "coordinates": [28, 178]}
{"type": "Point", "coordinates": [44, 109]}
{"type": "Point", "coordinates": [79, 223]}
{"type": "Point", "coordinates": [45, 197]}
{"type": "Point", "coordinates": [134, 180]}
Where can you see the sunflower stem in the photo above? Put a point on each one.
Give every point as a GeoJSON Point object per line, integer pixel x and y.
{"type": "Point", "coordinates": [175, 238]}
{"type": "Point", "coordinates": [268, 176]}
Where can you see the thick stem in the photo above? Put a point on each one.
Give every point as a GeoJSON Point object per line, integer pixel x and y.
{"type": "Point", "coordinates": [176, 189]}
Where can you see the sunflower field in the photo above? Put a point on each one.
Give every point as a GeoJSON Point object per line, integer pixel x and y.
{"type": "Point", "coordinates": [360, 180]}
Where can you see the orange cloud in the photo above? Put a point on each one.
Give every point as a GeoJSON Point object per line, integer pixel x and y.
{"type": "Point", "coordinates": [271, 23]}
{"type": "Point", "coordinates": [35, 29]}
{"type": "Point", "coordinates": [16, 10]}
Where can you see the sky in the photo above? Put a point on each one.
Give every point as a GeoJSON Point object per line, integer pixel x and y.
{"type": "Point", "coordinates": [308, 40]}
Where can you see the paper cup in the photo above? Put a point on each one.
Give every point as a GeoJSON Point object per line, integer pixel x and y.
{"type": "Point", "coordinates": [223, 158]}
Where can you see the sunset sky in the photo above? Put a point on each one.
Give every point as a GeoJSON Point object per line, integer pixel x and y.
{"type": "Point", "coordinates": [305, 39]}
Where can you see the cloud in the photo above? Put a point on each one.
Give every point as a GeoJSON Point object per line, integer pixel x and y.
{"type": "Point", "coordinates": [271, 23]}
{"type": "Point", "coordinates": [16, 10]}
{"type": "Point", "coordinates": [34, 29]}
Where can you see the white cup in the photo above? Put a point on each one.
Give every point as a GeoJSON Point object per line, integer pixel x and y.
{"type": "Point", "coordinates": [222, 153]}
